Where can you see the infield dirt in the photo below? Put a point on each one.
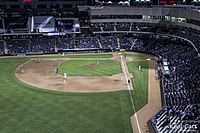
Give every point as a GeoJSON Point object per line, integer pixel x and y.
{"type": "Point", "coordinates": [43, 74]}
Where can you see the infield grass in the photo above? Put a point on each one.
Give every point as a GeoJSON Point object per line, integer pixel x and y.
{"type": "Point", "coordinates": [90, 68]}
{"type": "Point", "coordinates": [139, 82]}
{"type": "Point", "coordinates": [27, 109]}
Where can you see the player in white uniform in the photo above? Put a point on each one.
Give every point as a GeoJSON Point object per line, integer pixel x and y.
{"type": "Point", "coordinates": [63, 54]}
{"type": "Point", "coordinates": [139, 67]}
{"type": "Point", "coordinates": [22, 70]}
{"type": "Point", "coordinates": [65, 78]}
{"type": "Point", "coordinates": [121, 57]}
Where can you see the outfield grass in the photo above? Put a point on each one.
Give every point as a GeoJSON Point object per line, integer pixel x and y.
{"type": "Point", "coordinates": [136, 57]}
{"type": "Point", "coordinates": [78, 56]}
{"type": "Point", "coordinates": [89, 68]}
{"type": "Point", "coordinates": [26, 109]}
{"type": "Point", "coordinates": [140, 82]}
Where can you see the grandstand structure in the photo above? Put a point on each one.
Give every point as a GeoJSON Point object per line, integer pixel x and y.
{"type": "Point", "coordinates": [169, 32]}
{"type": "Point", "coordinates": [40, 4]}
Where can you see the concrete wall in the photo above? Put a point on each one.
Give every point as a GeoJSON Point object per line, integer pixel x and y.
{"type": "Point", "coordinates": [153, 11]}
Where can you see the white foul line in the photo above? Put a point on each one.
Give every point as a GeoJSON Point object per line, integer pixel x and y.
{"type": "Point", "coordinates": [129, 88]}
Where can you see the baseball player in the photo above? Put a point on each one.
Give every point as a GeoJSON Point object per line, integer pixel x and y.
{"type": "Point", "coordinates": [63, 54]}
{"type": "Point", "coordinates": [139, 67]}
{"type": "Point", "coordinates": [120, 77]}
{"type": "Point", "coordinates": [65, 78]}
{"type": "Point", "coordinates": [22, 70]}
{"type": "Point", "coordinates": [56, 70]}
{"type": "Point", "coordinates": [121, 57]}
{"type": "Point", "coordinates": [129, 81]}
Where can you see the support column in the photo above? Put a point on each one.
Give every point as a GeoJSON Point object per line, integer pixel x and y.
{"type": "Point", "coordinates": [3, 24]}
{"type": "Point", "coordinates": [55, 46]}
{"type": "Point", "coordinates": [29, 46]}
{"type": "Point", "coordinates": [5, 46]}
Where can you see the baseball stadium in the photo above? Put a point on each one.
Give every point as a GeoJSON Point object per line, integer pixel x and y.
{"type": "Point", "coordinates": [92, 66]}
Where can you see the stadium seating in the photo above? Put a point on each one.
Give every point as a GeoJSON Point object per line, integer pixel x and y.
{"type": "Point", "coordinates": [109, 42]}
{"type": "Point", "coordinates": [87, 42]}
{"type": "Point", "coordinates": [43, 45]}
{"type": "Point", "coordinates": [18, 46]}
{"type": "Point", "coordinates": [95, 27]}
{"type": "Point", "coordinates": [182, 89]}
{"type": "Point", "coordinates": [108, 26]}
{"type": "Point", "coordinates": [66, 43]}
{"type": "Point", "coordinates": [78, 43]}
{"type": "Point", "coordinates": [123, 26]}
{"type": "Point", "coordinates": [130, 43]}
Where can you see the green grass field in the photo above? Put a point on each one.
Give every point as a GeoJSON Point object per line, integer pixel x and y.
{"type": "Point", "coordinates": [90, 68]}
{"type": "Point", "coordinates": [27, 109]}
{"type": "Point", "coordinates": [140, 82]}
{"type": "Point", "coordinates": [136, 57]}
{"type": "Point", "coordinates": [77, 56]}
